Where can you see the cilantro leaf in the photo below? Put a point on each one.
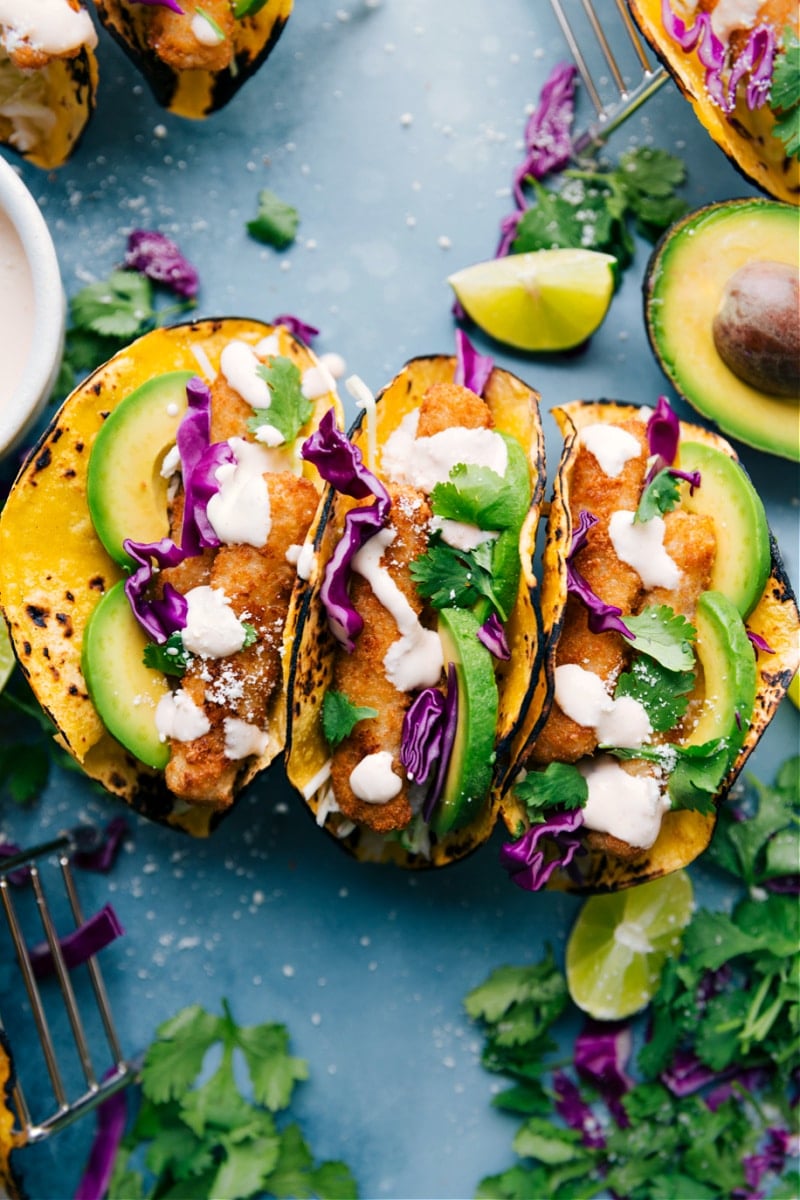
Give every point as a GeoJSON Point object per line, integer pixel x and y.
{"type": "Point", "coordinates": [712, 939]}
{"type": "Point", "coordinates": [784, 97]}
{"type": "Point", "coordinates": [452, 578]}
{"type": "Point", "coordinates": [764, 846]}
{"type": "Point", "coordinates": [275, 223]}
{"type": "Point", "coordinates": [174, 1061]}
{"type": "Point", "coordinates": [273, 1071]}
{"type": "Point", "coordinates": [476, 496]}
{"type": "Point", "coordinates": [660, 496]}
{"type": "Point", "coordinates": [171, 657]}
{"type": "Point", "coordinates": [664, 636]}
{"type": "Point", "coordinates": [289, 409]}
{"type": "Point", "coordinates": [340, 716]}
{"type": "Point", "coordinates": [559, 785]}
{"type": "Point", "coordinates": [120, 306]}
{"type": "Point", "coordinates": [661, 692]}
{"type": "Point", "coordinates": [698, 774]}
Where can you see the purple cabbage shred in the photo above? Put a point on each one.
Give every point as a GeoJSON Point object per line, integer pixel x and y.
{"type": "Point", "coordinates": [155, 255]}
{"type": "Point", "coordinates": [760, 643]}
{"type": "Point", "coordinates": [602, 1050]}
{"type": "Point", "coordinates": [575, 1112]}
{"type": "Point", "coordinates": [693, 478]}
{"type": "Point", "coordinates": [472, 369]}
{"type": "Point", "coordinates": [20, 875]}
{"type": "Point", "coordinates": [686, 1074]}
{"type": "Point", "coordinates": [770, 1160]}
{"type": "Point", "coordinates": [340, 464]}
{"type": "Point", "coordinates": [602, 617]}
{"type": "Point", "coordinates": [421, 739]}
{"type": "Point", "coordinates": [298, 328]}
{"type": "Point", "coordinates": [112, 1117]}
{"type": "Point", "coordinates": [527, 862]}
{"type": "Point", "coordinates": [158, 617]}
{"type": "Point", "coordinates": [663, 435]}
{"type": "Point", "coordinates": [449, 726]}
{"type": "Point", "coordinates": [493, 636]}
{"type": "Point", "coordinates": [98, 931]}
{"type": "Point", "coordinates": [755, 62]}
{"type": "Point", "coordinates": [99, 851]}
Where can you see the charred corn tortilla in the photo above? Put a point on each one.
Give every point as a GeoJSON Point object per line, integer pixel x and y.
{"type": "Point", "coordinates": [193, 91]}
{"type": "Point", "coordinates": [684, 833]}
{"type": "Point", "coordinates": [746, 136]}
{"type": "Point", "coordinates": [514, 408]}
{"type": "Point", "coordinates": [54, 569]}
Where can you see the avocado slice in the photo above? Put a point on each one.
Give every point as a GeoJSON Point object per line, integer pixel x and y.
{"type": "Point", "coordinates": [743, 559]}
{"type": "Point", "coordinates": [469, 775]}
{"type": "Point", "coordinates": [123, 690]}
{"type": "Point", "coordinates": [684, 287]}
{"type": "Point", "coordinates": [730, 681]}
{"type": "Point", "coordinates": [125, 492]}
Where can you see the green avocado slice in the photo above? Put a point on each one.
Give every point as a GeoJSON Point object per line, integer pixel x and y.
{"type": "Point", "coordinates": [125, 491]}
{"type": "Point", "coordinates": [123, 690]}
{"type": "Point", "coordinates": [469, 775]}
{"type": "Point", "coordinates": [743, 557]}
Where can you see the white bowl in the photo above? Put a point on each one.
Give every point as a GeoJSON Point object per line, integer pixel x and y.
{"type": "Point", "coordinates": [32, 310]}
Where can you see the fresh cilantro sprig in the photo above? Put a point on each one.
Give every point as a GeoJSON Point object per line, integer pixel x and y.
{"type": "Point", "coordinates": [660, 496]}
{"type": "Point", "coordinates": [695, 772]}
{"type": "Point", "coordinates": [275, 222]}
{"type": "Point", "coordinates": [340, 716]}
{"type": "Point", "coordinates": [452, 578]}
{"type": "Point", "coordinates": [289, 409]}
{"type": "Point", "coordinates": [593, 208]}
{"type": "Point", "coordinates": [170, 657]}
{"type": "Point", "coordinates": [784, 99]}
{"type": "Point", "coordinates": [662, 693]}
{"type": "Point", "coordinates": [664, 636]}
{"type": "Point", "coordinates": [558, 786]}
{"type": "Point", "coordinates": [203, 1136]}
{"type": "Point", "coordinates": [726, 1011]}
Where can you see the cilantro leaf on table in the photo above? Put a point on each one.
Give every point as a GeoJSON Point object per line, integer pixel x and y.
{"type": "Point", "coordinates": [559, 785]}
{"type": "Point", "coordinates": [203, 1136]}
{"type": "Point", "coordinates": [275, 222]}
{"type": "Point", "coordinates": [452, 578]}
{"type": "Point", "coordinates": [340, 716]}
{"type": "Point", "coordinates": [664, 636]}
{"type": "Point", "coordinates": [759, 842]}
{"type": "Point", "coordinates": [662, 693]}
{"type": "Point", "coordinates": [659, 497]}
{"type": "Point", "coordinates": [289, 409]}
{"type": "Point", "coordinates": [784, 99]}
{"type": "Point", "coordinates": [116, 307]}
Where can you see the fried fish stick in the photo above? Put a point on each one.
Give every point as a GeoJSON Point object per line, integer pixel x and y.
{"type": "Point", "coordinates": [450, 406]}
{"type": "Point", "coordinates": [690, 542]}
{"type": "Point", "coordinates": [361, 676]}
{"type": "Point", "coordinates": [592, 490]}
{"type": "Point", "coordinates": [258, 584]}
{"type": "Point", "coordinates": [186, 41]}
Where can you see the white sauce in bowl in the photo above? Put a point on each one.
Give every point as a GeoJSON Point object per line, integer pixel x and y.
{"type": "Point", "coordinates": [16, 310]}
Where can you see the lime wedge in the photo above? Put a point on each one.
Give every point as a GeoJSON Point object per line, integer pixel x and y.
{"type": "Point", "coordinates": [542, 300]}
{"type": "Point", "coordinates": [620, 942]}
{"type": "Point", "coordinates": [7, 660]}
{"type": "Point", "coordinates": [794, 691]}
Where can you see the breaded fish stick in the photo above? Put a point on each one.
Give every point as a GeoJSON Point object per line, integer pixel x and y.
{"type": "Point", "coordinates": [174, 39]}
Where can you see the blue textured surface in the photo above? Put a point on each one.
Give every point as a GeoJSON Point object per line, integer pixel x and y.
{"type": "Point", "coordinates": [394, 128]}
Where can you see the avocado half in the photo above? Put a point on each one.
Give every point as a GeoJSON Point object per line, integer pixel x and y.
{"type": "Point", "coordinates": [746, 136]}
{"type": "Point", "coordinates": [683, 288]}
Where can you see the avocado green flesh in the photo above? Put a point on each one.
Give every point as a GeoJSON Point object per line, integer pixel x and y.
{"type": "Point", "coordinates": [123, 690]}
{"type": "Point", "coordinates": [469, 774]}
{"type": "Point", "coordinates": [742, 561]}
{"type": "Point", "coordinates": [125, 492]}
{"type": "Point", "coordinates": [685, 282]}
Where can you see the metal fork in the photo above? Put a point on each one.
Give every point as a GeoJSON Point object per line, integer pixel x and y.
{"type": "Point", "coordinates": [581, 20]}
{"type": "Point", "coordinates": [30, 864]}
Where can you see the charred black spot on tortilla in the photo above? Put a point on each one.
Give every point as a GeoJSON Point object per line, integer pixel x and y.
{"type": "Point", "coordinates": [65, 621]}
{"type": "Point", "coordinates": [43, 460]}
{"type": "Point", "coordinates": [69, 596]}
{"type": "Point", "coordinates": [97, 583]}
{"type": "Point", "coordinates": [73, 689]}
{"type": "Point", "coordinates": [79, 447]}
{"type": "Point", "coordinates": [70, 473]}
{"type": "Point", "coordinates": [46, 652]}
{"type": "Point", "coordinates": [37, 614]}
{"type": "Point", "coordinates": [105, 414]}
{"type": "Point", "coordinates": [57, 435]}
{"type": "Point", "coordinates": [116, 780]}
{"type": "Point", "coordinates": [26, 646]}
{"type": "Point", "coordinates": [97, 388]}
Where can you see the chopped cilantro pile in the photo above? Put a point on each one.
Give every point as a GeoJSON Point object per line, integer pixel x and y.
{"type": "Point", "coordinates": [712, 1110]}
{"type": "Point", "coordinates": [202, 1136]}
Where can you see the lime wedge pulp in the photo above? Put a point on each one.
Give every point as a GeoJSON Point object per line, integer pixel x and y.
{"type": "Point", "coordinates": [620, 942]}
{"type": "Point", "coordinates": [541, 300]}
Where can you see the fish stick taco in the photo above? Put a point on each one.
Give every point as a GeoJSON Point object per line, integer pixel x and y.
{"type": "Point", "coordinates": [672, 636]}
{"type": "Point", "coordinates": [417, 636]}
{"type": "Point", "coordinates": [147, 561]}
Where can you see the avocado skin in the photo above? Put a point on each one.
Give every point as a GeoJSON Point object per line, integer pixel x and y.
{"type": "Point", "coordinates": [684, 282]}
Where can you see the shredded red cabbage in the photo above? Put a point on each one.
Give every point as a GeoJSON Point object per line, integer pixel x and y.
{"type": "Point", "coordinates": [686, 1074]}
{"type": "Point", "coordinates": [493, 636]}
{"type": "Point", "coordinates": [154, 254]}
{"type": "Point", "coordinates": [472, 369]}
{"type": "Point", "coordinates": [756, 59]}
{"type": "Point", "coordinates": [340, 464]}
{"type": "Point", "coordinates": [421, 738]}
{"type": "Point", "coordinates": [760, 643]}
{"type": "Point", "coordinates": [112, 1117]}
{"type": "Point", "coordinates": [602, 617]}
{"type": "Point", "coordinates": [20, 875]}
{"type": "Point", "coordinates": [575, 1112]}
{"type": "Point", "coordinates": [299, 329]}
{"type": "Point", "coordinates": [602, 1050]}
{"type": "Point", "coordinates": [449, 726]}
{"type": "Point", "coordinates": [76, 947]}
{"type": "Point", "coordinates": [770, 1159]}
{"type": "Point", "coordinates": [98, 849]}
{"type": "Point", "coordinates": [158, 618]}
{"type": "Point", "coordinates": [526, 862]}
{"type": "Point", "coordinates": [693, 478]}
{"type": "Point", "coordinates": [663, 435]}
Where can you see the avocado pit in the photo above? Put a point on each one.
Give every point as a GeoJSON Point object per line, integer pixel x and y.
{"type": "Point", "coordinates": [756, 327]}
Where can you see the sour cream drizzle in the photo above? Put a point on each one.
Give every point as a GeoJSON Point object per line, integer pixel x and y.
{"type": "Point", "coordinates": [628, 807]}
{"type": "Point", "coordinates": [641, 545]}
{"type": "Point", "coordinates": [239, 364]}
{"type": "Point", "coordinates": [48, 25]}
{"type": "Point", "coordinates": [243, 739]}
{"type": "Point", "coordinates": [416, 660]}
{"type": "Point", "coordinates": [177, 716]}
{"type": "Point", "coordinates": [423, 462]}
{"type": "Point", "coordinates": [240, 510]}
{"type": "Point", "coordinates": [212, 628]}
{"type": "Point", "coordinates": [582, 696]}
{"type": "Point", "coordinates": [611, 446]}
{"type": "Point", "coordinates": [373, 779]}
